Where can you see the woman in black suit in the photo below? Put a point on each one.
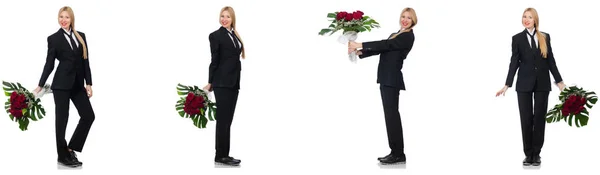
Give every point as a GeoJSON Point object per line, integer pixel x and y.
{"type": "Point", "coordinates": [392, 53]}
{"type": "Point", "coordinates": [532, 56]}
{"type": "Point", "coordinates": [69, 47]}
{"type": "Point", "coordinates": [224, 78]}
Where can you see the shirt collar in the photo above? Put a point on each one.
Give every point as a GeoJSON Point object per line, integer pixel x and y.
{"type": "Point", "coordinates": [67, 31]}
{"type": "Point", "coordinates": [531, 32]}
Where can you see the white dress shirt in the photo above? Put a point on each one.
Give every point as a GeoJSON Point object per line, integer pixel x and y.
{"type": "Point", "coordinates": [534, 37]}
{"type": "Point", "coordinates": [230, 32]}
{"type": "Point", "coordinates": [74, 38]}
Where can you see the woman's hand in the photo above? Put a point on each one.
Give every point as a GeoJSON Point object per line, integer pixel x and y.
{"type": "Point", "coordinates": [351, 50]}
{"type": "Point", "coordinates": [561, 85]}
{"type": "Point", "coordinates": [502, 91]}
{"type": "Point", "coordinates": [88, 89]}
{"type": "Point", "coordinates": [354, 45]}
{"type": "Point", "coordinates": [208, 87]}
{"type": "Point", "coordinates": [37, 90]}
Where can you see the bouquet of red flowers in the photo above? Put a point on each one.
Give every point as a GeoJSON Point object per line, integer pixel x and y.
{"type": "Point", "coordinates": [22, 105]}
{"type": "Point", "coordinates": [575, 104]}
{"type": "Point", "coordinates": [194, 104]}
{"type": "Point", "coordinates": [351, 24]}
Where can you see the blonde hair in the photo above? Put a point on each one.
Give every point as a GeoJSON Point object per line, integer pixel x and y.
{"type": "Point", "coordinates": [540, 35]}
{"type": "Point", "coordinates": [413, 17]}
{"type": "Point", "coordinates": [79, 38]}
{"type": "Point", "coordinates": [232, 13]}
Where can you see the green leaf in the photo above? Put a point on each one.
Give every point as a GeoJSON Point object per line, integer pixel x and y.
{"type": "Point", "coordinates": [182, 114]}
{"type": "Point", "coordinates": [362, 29]}
{"type": "Point", "coordinates": [570, 120]}
{"type": "Point", "coordinates": [210, 114]}
{"type": "Point", "coordinates": [19, 86]}
{"type": "Point", "coordinates": [331, 15]}
{"type": "Point", "coordinates": [23, 123]}
{"type": "Point", "coordinates": [593, 100]}
{"type": "Point", "coordinates": [582, 119]}
{"type": "Point", "coordinates": [549, 119]}
{"type": "Point", "coordinates": [31, 114]}
{"type": "Point", "coordinates": [38, 112]}
{"type": "Point", "coordinates": [203, 121]}
{"type": "Point", "coordinates": [324, 31]}
{"type": "Point", "coordinates": [7, 85]}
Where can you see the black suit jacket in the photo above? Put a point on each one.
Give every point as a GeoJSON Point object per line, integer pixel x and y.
{"type": "Point", "coordinates": [392, 54]}
{"type": "Point", "coordinates": [533, 68]}
{"type": "Point", "coordinates": [225, 65]}
{"type": "Point", "coordinates": [72, 68]}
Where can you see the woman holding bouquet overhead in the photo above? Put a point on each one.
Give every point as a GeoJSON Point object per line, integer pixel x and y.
{"type": "Point", "coordinates": [532, 56]}
{"type": "Point", "coordinates": [69, 47]}
{"type": "Point", "coordinates": [224, 78]}
{"type": "Point", "coordinates": [392, 52]}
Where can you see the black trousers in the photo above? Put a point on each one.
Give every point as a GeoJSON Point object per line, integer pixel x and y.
{"type": "Point", "coordinates": [390, 98]}
{"type": "Point", "coordinates": [533, 120]}
{"type": "Point", "coordinates": [81, 101]}
{"type": "Point", "coordinates": [226, 103]}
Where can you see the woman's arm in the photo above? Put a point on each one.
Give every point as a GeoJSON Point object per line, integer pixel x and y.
{"type": "Point", "coordinates": [366, 53]}
{"type": "Point", "coordinates": [514, 63]}
{"type": "Point", "coordinates": [86, 63]}
{"type": "Point", "coordinates": [214, 54]}
{"type": "Point", "coordinates": [402, 41]}
{"type": "Point", "coordinates": [49, 66]}
{"type": "Point", "coordinates": [552, 62]}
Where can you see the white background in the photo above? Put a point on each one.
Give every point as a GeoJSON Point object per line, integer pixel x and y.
{"type": "Point", "coordinates": [303, 107]}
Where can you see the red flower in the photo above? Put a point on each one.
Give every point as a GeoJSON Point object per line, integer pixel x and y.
{"type": "Point", "coordinates": [565, 111]}
{"type": "Point", "coordinates": [17, 113]}
{"type": "Point", "coordinates": [193, 104]}
{"type": "Point", "coordinates": [361, 13]}
{"type": "Point", "coordinates": [573, 105]}
{"type": "Point", "coordinates": [341, 15]}
{"type": "Point", "coordinates": [349, 16]}
{"type": "Point", "coordinates": [358, 15]}
{"type": "Point", "coordinates": [18, 102]}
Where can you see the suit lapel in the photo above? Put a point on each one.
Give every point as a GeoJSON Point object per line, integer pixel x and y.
{"type": "Point", "coordinates": [226, 37]}
{"type": "Point", "coordinates": [65, 44]}
{"type": "Point", "coordinates": [229, 40]}
{"type": "Point", "coordinates": [525, 41]}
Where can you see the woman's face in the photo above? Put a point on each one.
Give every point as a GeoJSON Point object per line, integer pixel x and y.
{"type": "Point", "coordinates": [528, 21]}
{"type": "Point", "coordinates": [64, 20]}
{"type": "Point", "coordinates": [225, 19]}
{"type": "Point", "coordinates": [405, 20]}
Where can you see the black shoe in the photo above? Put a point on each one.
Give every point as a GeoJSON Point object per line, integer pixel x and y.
{"type": "Point", "coordinates": [235, 160]}
{"type": "Point", "coordinates": [385, 157]}
{"type": "Point", "coordinates": [537, 161]}
{"type": "Point", "coordinates": [68, 162]}
{"type": "Point", "coordinates": [74, 158]}
{"type": "Point", "coordinates": [527, 161]}
{"type": "Point", "coordinates": [392, 159]}
{"type": "Point", "coordinates": [228, 161]}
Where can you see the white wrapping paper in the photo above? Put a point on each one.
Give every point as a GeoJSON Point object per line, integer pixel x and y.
{"type": "Point", "coordinates": [347, 37]}
{"type": "Point", "coordinates": [45, 90]}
